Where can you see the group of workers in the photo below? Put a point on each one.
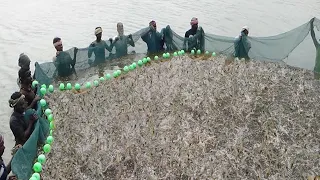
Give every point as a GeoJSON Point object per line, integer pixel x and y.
{"type": "Point", "coordinates": [26, 98]}
{"type": "Point", "coordinates": [156, 42]}
{"type": "Point", "coordinates": [20, 125]}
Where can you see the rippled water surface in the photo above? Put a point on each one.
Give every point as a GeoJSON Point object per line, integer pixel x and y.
{"type": "Point", "coordinates": [29, 26]}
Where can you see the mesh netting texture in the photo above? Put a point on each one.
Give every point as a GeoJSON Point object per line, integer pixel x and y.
{"type": "Point", "coordinates": [294, 44]}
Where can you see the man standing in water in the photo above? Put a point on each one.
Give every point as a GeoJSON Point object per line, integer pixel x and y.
{"type": "Point", "coordinates": [121, 41]}
{"type": "Point", "coordinates": [98, 47]}
{"type": "Point", "coordinates": [63, 61]}
{"type": "Point", "coordinates": [194, 37]}
{"type": "Point", "coordinates": [28, 92]}
{"type": "Point", "coordinates": [153, 39]}
{"type": "Point", "coordinates": [242, 45]}
{"type": "Point", "coordinates": [317, 45]}
{"type": "Point", "coordinates": [24, 64]}
{"type": "Point", "coordinates": [20, 128]}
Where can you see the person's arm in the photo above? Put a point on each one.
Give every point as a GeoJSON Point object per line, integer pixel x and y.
{"type": "Point", "coordinates": [109, 48]}
{"type": "Point", "coordinates": [145, 37]}
{"type": "Point", "coordinates": [201, 38]}
{"type": "Point", "coordinates": [34, 102]}
{"type": "Point", "coordinates": [236, 46]}
{"type": "Point", "coordinates": [90, 50]}
{"type": "Point", "coordinates": [130, 40]}
{"type": "Point", "coordinates": [160, 35]}
{"type": "Point", "coordinates": [315, 42]}
{"type": "Point", "coordinates": [186, 35]}
{"type": "Point", "coordinates": [185, 41]}
{"type": "Point", "coordinates": [199, 33]}
{"type": "Point", "coordinates": [13, 177]}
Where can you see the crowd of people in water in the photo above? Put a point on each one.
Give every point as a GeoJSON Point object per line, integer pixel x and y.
{"type": "Point", "coordinates": [156, 42]}
{"type": "Point", "coordinates": [27, 97]}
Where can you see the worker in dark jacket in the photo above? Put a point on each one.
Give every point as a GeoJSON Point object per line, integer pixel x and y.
{"type": "Point", "coordinates": [194, 37]}
{"type": "Point", "coordinates": [153, 38]}
{"type": "Point", "coordinates": [242, 45]}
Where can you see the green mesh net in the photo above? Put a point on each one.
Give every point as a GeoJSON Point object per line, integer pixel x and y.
{"type": "Point", "coordinates": [295, 47]}
{"type": "Point", "coordinates": [274, 48]}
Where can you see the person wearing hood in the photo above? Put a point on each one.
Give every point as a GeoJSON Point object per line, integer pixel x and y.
{"type": "Point", "coordinates": [24, 64]}
{"type": "Point", "coordinates": [316, 68]}
{"type": "Point", "coordinates": [242, 44]}
{"type": "Point", "coordinates": [194, 37]}
{"type": "Point", "coordinates": [122, 41]}
{"type": "Point", "coordinates": [153, 39]}
{"type": "Point", "coordinates": [98, 47]}
{"type": "Point", "coordinates": [63, 61]}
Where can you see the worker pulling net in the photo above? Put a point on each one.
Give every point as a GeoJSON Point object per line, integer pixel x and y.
{"type": "Point", "coordinates": [294, 47]}
{"type": "Point", "coordinates": [281, 47]}
{"type": "Point", "coordinates": [23, 159]}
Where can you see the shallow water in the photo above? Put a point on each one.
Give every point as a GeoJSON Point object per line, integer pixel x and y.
{"type": "Point", "coordinates": [29, 26]}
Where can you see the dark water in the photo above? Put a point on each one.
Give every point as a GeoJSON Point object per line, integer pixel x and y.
{"type": "Point", "coordinates": [29, 26]}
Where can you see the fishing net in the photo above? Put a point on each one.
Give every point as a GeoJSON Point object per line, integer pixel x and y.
{"type": "Point", "coordinates": [23, 159]}
{"type": "Point", "coordinates": [190, 119]}
{"type": "Point", "coordinates": [294, 47]}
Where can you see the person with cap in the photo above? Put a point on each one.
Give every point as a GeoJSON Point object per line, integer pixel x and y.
{"type": "Point", "coordinates": [153, 39]}
{"type": "Point", "coordinates": [242, 44]}
{"type": "Point", "coordinates": [316, 68]}
{"type": "Point", "coordinates": [63, 61]}
{"type": "Point", "coordinates": [122, 41]}
{"type": "Point", "coordinates": [20, 128]}
{"type": "Point", "coordinates": [98, 47]}
{"type": "Point", "coordinates": [194, 37]}
{"type": "Point", "coordinates": [4, 169]}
